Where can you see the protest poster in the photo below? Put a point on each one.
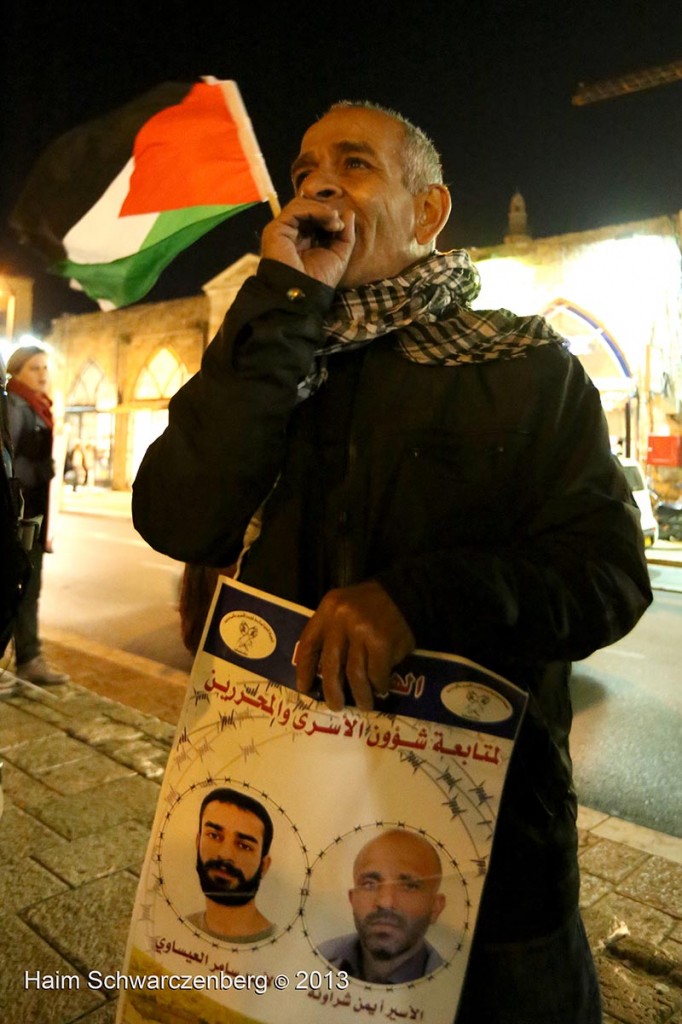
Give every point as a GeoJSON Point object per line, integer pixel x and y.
{"type": "Point", "coordinates": [422, 773]}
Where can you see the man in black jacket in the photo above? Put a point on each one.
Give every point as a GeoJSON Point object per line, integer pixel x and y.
{"type": "Point", "coordinates": [424, 475]}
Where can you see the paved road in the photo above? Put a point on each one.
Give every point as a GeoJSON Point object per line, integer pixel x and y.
{"type": "Point", "coordinates": [103, 581]}
{"type": "Point", "coordinates": [627, 731]}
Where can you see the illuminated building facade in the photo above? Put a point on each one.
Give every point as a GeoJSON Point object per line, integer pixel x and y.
{"type": "Point", "coordinates": [117, 371]}
{"type": "Point", "coordinates": [16, 307]}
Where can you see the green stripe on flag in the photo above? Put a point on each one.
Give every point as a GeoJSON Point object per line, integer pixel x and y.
{"type": "Point", "coordinates": [124, 281]}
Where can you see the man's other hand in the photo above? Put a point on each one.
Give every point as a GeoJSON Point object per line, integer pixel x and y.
{"type": "Point", "coordinates": [355, 638]}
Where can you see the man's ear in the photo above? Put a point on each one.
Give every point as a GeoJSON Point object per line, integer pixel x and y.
{"type": "Point", "coordinates": [432, 209]}
{"type": "Point", "coordinates": [265, 864]}
{"type": "Point", "coordinates": [438, 906]}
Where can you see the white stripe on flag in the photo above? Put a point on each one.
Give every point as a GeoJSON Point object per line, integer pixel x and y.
{"type": "Point", "coordinates": [101, 235]}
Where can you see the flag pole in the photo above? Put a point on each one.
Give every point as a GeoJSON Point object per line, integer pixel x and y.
{"type": "Point", "coordinates": [247, 136]}
{"type": "Point", "coordinates": [275, 207]}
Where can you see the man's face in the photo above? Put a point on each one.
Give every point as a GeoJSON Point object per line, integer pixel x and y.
{"type": "Point", "coordinates": [395, 897]}
{"type": "Point", "coordinates": [230, 864]}
{"type": "Point", "coordinates": [351, 160]}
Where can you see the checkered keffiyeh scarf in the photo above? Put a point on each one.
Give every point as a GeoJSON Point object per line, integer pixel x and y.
{"type": "Point", "coordinates": [428, 306]}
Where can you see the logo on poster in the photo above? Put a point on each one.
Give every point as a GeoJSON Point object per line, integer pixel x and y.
{"type": "Point", "coordinates": [248, 635]}
{"type": "Point", "coordinates": [476, 702]}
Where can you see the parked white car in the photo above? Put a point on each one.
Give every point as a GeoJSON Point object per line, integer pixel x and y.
{"type": "Point", "coordinates": [634, 474]}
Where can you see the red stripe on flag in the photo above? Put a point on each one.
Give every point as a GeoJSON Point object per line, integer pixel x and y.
{"type": "Point", "coordinates": [190, 155]}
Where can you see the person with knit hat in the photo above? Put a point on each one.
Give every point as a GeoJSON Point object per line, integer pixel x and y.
{"type": "Point", "coordinates": [30, 428]}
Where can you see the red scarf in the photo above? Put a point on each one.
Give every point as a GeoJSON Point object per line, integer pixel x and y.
{"type": "Point", "coordinates": [39, 402]}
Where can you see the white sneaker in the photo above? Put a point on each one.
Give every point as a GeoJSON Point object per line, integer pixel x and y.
{"type": "Point", "coordinates": [39, 672]}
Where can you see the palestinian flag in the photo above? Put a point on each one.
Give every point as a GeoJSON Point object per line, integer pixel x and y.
{"type": "Point", "coordinates": [112, 202]}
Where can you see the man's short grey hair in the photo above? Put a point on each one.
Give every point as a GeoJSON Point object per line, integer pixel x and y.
{"type": "Point", "coordinates": [421, 160]}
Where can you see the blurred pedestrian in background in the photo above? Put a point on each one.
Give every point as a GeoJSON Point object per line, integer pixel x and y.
{"type": "Point", "coordinates": [75, 471]}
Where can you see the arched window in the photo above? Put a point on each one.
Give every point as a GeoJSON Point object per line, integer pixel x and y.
{"type": "Point", "coordinates": [91, 389]}
{"type": "Point", "coordinates": [595, 347]}
{"type": "Point", "coordinates": [157, 383]}
{"type": "Point", "coordinates": [161, 377]}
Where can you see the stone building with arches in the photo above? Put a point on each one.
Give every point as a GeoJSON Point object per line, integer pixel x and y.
{"type": "Point", "coordinates": [614, 292]}
{"type": "Point", "coordinates": [117, 371]}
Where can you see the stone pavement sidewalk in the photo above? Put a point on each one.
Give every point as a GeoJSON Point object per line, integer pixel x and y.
{"type": "Point", "coordinates": [82, 768]}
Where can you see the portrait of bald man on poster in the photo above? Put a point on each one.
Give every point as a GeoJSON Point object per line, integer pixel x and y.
{"type": "Point", "coordinates": [395, 898]}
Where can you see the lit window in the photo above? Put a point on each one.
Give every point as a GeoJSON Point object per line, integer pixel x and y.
{"type": "Point", "coordinates": [163, 375]}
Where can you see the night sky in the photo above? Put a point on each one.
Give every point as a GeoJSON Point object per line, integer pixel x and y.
{"type": "Point", "coordinates": [491, 82]}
